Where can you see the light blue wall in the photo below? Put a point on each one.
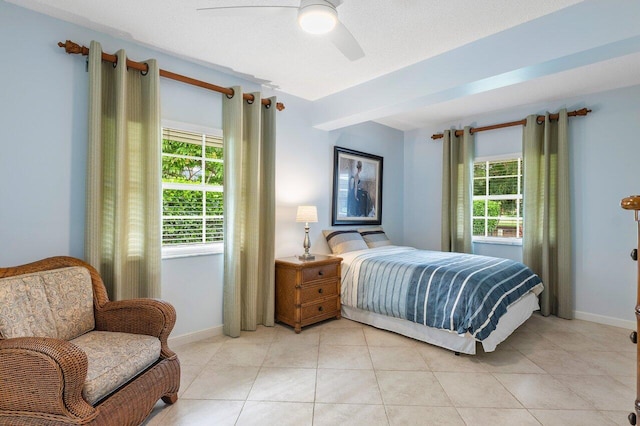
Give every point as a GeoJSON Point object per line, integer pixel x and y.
{"type": "Point", "coordinates": [43, 128]}
{"type": "Point", "coordinates": [387, 144]}
{"type": "Point", "coordinates": [604, 152]}
{"type": "Point", "coordinates": [43, 116]}
{"type": "Point", "coordinates": [305, 169]}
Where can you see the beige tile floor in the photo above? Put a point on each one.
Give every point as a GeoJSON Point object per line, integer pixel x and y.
{"type": "Point", "coordinates": [550, 372]}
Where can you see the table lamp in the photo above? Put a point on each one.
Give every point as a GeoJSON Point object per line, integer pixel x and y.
{"type": "Point", "coordinates": [307, 214]}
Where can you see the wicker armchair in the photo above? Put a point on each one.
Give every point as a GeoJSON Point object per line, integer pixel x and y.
{"type": "Point", "coordinates": [42, 379]}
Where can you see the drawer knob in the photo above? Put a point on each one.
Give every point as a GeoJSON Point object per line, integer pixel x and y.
{"type": "Point", "coordinates": [320, 291]}
{"type": "Point", "coordinates": [320, 308]}
{"type": "Point", "coordinates": [320, 273]}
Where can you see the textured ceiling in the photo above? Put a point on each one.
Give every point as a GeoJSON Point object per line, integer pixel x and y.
{"type": "Point", "coordinates": [272, 49]}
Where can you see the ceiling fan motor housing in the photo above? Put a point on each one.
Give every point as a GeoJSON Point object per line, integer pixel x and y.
{"type": "Point", "coordinates": [317, 16]}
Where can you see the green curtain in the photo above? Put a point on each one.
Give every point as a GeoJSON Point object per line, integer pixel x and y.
{"type": "Point", "coordinates": [249, 131]}
{"type": "Point", "coordinates": [547, 221]}
{"type": "Point", "coordinates": [457, 191]}
{"type": "Point", "coordinates": [123, 194]}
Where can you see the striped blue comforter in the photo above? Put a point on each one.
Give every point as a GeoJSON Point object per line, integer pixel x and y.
{"type": "Point", "coordinates": [452, 291]}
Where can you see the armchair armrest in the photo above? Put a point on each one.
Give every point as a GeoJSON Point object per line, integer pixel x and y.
{"type": "Point", "coordinates": [43, 378]}
{"type": "Point", "coordinates": [139, 316]}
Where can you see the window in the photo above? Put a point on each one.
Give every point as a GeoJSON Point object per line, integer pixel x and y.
{"type": "Point", "coordinates": [192, 192]}
{"type": "Point", "coordinates": [497, 200]}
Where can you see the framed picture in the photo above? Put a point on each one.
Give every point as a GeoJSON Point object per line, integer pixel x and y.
{"type": "Point", "coordinates": [357, 188]}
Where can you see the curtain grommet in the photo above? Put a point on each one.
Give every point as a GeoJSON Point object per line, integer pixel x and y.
{"type": "Point", "coordinates": [250, 101]}
{"type": "Point", "coordinates": [232, 94]}
{"type": "Point", "coordinates": [143, 73]}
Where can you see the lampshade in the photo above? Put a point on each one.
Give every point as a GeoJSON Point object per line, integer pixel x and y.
{"type": "Point", "coordinates": [317, 18]}
{"type": "Point", "coordinates": [307, 214]}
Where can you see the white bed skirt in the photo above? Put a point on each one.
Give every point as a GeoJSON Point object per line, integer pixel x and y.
{"type": "Point", "coordinates": [515, 316]}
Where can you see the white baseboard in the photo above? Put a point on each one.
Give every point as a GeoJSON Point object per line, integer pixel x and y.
{"type": "Point", "coordinates": [195, 336]}
{"type": "Point", "coordinates": [601, 319]}
{"type": "Point", "coordinates": [217, 331]}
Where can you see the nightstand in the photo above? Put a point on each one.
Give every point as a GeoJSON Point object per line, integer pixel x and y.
{"type": "Point", "coordinates": [307, 291]}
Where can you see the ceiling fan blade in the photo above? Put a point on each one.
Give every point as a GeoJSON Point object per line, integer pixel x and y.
{"type": "Point", "coordinates": [346, 42]}
{"type": "Point", "coordinates": [247, 10]}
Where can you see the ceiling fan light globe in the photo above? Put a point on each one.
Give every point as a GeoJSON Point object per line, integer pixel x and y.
{"type": "Point", "coordinates": [317, 18]}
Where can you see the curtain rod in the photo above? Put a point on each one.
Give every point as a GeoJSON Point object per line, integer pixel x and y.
{"type": "Point", "coordinates": [74, 48]}
{"type": "Point", "coordinates": [583, 111]}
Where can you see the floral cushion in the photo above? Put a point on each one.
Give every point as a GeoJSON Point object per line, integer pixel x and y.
{"type": "Point", "coordinates": [114, 359]}
{"type": "Point", "coordinates": [56, 303]}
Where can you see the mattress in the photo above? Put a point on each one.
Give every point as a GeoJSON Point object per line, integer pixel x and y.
{"type": "Point", "coordinates": [481, 299]}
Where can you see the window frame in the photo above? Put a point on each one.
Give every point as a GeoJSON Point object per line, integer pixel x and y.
{"type": "Point", "coordinates": [195, 249]}
{"type": "Point", "coordinates": [514, 241]}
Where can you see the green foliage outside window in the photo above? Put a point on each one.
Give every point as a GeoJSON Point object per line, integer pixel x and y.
{"type": "Point", "coordinates": [188, 215]}
{"type": "Point", "coordinates": [189, 170]}
{"type": "Point", "coordinates": [493, 209]}
{"type": "Point", "coordinates": [497, 185]}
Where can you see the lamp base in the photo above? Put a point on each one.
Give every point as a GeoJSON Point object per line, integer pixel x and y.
{"type": "Point", "coordinates": [306, 245]}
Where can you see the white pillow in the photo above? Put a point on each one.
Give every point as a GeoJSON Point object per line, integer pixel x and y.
{"type": "Point", "coordinates": [343, 241]}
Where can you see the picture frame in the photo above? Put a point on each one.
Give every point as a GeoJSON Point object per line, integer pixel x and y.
{"type": "Point", "coordinates": [357, 188]}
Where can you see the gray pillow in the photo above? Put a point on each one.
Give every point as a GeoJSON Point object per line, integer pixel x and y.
{"type": "Point", "coordinates": [374, 237]}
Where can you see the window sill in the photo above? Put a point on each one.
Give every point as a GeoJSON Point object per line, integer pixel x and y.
{"type": "Point", "coordinates": [192, 250]}
{"type": "Point", "coordinates": [498, 240]}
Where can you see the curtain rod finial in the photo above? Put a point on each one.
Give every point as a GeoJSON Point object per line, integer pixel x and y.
{"type": "Point", "coordinates": [73, 48]}
{"type": "Point", "coordinates": [279, 106]}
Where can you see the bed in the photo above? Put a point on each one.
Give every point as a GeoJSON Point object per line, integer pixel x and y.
{"type": "Point", "coordinates": [451, 300]}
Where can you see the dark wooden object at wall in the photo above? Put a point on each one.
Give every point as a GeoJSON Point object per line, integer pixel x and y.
{"type": "Point", "coordinates": [633, 203]}
{"type": "Point", "coordinates": [307, 291]}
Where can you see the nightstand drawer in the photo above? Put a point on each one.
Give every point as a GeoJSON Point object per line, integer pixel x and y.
{"type": "Point", "coordinates": [326, 307]}
{"type": "Point", "coordinates": [319, 272]}
{"type": "Point", "coordinates": [320, 291]}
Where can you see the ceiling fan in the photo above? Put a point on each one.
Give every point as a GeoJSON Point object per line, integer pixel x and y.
{"type": "Point", "coordinates": [315, 17]}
